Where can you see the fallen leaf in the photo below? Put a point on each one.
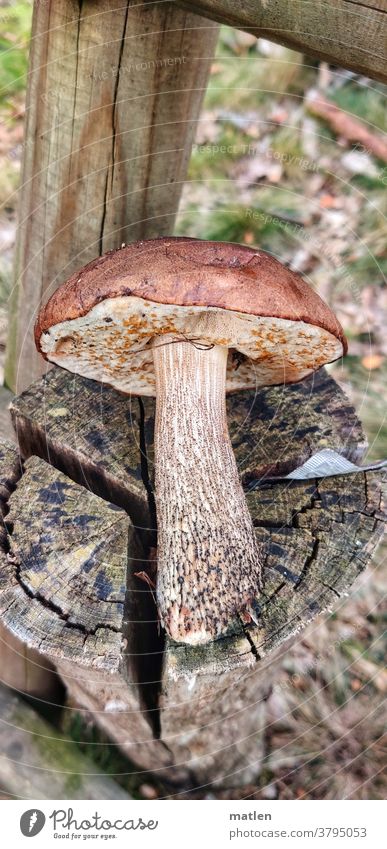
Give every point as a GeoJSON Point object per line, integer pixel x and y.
{"type": "Point", "coordinates": [372, 361]}
{"type": "Point", "coordinates": [328, 202]}
{"type": "Point", "coordinates": [279, 116]}
{"type": "Point", "coordinates": [148, 791]}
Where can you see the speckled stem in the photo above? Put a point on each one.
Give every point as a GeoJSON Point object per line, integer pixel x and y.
{"type": "Point", "coordinates": [208, 559]}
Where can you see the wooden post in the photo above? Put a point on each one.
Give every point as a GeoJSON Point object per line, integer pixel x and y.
{"type": "Point", "coordinates": [348, 33]}
{"type": "Point", "coordinates": [194, 714]}
{"type": "Point", "coordinates": [113, 98]}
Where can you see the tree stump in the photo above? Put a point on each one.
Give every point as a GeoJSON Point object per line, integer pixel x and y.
{"type": "Point", "coordinates": [78, 563]}
{"type": "Point", "coordinates": [22, 669]}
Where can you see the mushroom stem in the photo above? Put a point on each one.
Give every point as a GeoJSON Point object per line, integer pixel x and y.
{"type": "Point", "coordinates": [209, 565]}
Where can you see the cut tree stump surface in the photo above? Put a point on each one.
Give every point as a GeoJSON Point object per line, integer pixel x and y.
{"type": "Point", "coordinates": [104, 440]}
{"type": "Point", "coordinates": [68, 566]}
{"type": "Point", "coordinates": [76, 592]}
{"type": "Point", "coordinates": [113, 100]}
{"type": "Point", "coordinates": [35, 675]}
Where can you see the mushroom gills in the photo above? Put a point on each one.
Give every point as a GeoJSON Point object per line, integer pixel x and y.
{"type": "Point", "coordinates": [209, 562]}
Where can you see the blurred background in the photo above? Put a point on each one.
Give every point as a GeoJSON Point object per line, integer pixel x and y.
{"type": "Point", "coordinates": [267, 171]}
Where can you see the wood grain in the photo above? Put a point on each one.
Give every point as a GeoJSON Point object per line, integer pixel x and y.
{"type": "Point", "coordinates": [113, 98]}
{"type": "Point", "coordinates": [348, 33]}
{"type": "Point", "coordinates": [67, 567]}
{"type": "Point", "coordinates": [68, 590]}
{"type": "Point", "coordinates": [22, 667]}
{"type": "Point", "coordinates": [203, 707]}
{"type": "Point", "coordinates": [90, 432]}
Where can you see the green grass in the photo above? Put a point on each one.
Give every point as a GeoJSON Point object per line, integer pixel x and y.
{"type": "Point", "coordinates": [247, 79]}
{"type": "Point", "coordinates": [15, 27]}
{"type": "Point", "coordinates": [273, 227]}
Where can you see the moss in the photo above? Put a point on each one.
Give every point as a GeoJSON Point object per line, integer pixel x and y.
{"type": "Point", "coordinates": [57, 751]}
{"type": "Point", "coordinates": [105, 755]}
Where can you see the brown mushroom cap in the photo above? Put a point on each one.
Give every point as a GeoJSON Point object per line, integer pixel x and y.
{"type": "Point", "coordinates": [101, 321]}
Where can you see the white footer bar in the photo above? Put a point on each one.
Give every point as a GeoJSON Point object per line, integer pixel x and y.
{"type": "Point", "coordinates": [186, 824]}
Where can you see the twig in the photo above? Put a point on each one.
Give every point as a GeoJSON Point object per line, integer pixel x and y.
{"type": "Point", "coordinates": [347, 125]}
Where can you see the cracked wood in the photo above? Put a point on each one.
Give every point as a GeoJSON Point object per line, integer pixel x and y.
{"type": "Point", "coordinates": [22, 668]}
{"type": "Point", "coordinates": [66, 578]}
{"type": "Point", "coordinates": [66, 589]}
{"type": "Point", "coordinates": [104, 440]}
{"type": "Point", "coordinates": [317, 537]}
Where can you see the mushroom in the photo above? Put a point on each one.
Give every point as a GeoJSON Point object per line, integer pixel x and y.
{"type": "Point", "coordinates": [187, 320]}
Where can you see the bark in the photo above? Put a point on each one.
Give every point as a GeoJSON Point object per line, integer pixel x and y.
{"type": "Point", "coordinates": [209, 564]}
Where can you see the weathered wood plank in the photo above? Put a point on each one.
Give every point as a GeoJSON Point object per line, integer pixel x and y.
{"type": "Point", "coordinates": [38, 763]}
{"type": "Point", "coordinates": [348, 33]}
{"type": "Point", "coordinates": [318, 536]}
{"type": "Point", "coordinates": [113, 98]}
{"type": "Point", "coordinates": [11, 470]}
